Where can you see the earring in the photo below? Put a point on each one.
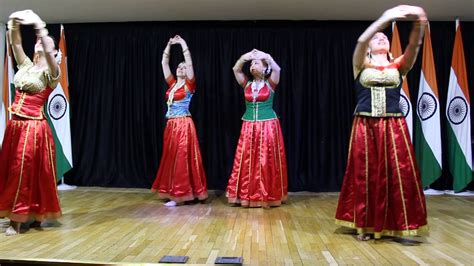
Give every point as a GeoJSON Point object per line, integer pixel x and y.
{"type": "Point", "coordinates": [35, 58]}
{"type": "Point", "coordinates": [390, 56]}
{"type": "Point", "coordinates": [268, 70]}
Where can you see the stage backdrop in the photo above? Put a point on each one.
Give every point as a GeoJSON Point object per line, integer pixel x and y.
{"type": "Point", "coordinates": [118, 106]}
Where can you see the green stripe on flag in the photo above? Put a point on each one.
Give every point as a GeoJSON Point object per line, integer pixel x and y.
{"type": "Point", "coordinates": [12, 92]}
{"type": "Point", "coordinates": [430, 169]}
{"type": "Point", "coordinates": [460, 170]}
{"type": "Point", "coordinates": [62, 164]}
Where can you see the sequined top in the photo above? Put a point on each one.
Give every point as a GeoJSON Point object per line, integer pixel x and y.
{"type": "Point", "coordinates": [178, 106]}
{"type": "Point", "coordinates": [32, 90]}
{"type": "Point", "coordinates": [378, 92]}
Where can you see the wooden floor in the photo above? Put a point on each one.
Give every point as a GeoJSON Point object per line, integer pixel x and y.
{"type": "Point", "coordinates": [131, 226]}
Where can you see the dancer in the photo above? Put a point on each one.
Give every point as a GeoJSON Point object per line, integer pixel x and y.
{"type": "Point", "coordinates": [259, 175]}
{"type": "Point", "coordinates": [27, 156]}
{"type": "Point", "coordinates": [382, 192]}
{"type": "Point", "coordinates": [181, 175]}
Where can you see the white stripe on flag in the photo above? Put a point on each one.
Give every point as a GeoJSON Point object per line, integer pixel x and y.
{"type": "Point", "coordinates": [429, 115]}
{"type": "Point", "coordinates": [58, 111]}
{"type": "Point", "coordinates": [458, 113]}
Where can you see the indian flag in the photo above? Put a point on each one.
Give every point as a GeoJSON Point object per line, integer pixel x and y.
{"type": "Point", "coordinates": [428, 122]}
{"type": "Point", "coordinates": [8, 88]}
{"type": "Point", "coordinates": [405, 104]}
{"type": "Point", "coordinates": [57, 110]}
{"type": "Point", "coordinates": [459, 118]}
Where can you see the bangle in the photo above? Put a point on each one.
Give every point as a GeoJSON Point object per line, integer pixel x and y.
{"type": "Point", "coordinates": [42, 32]}
{"type": "Point", "coordinates": [12, 25]}
{"type": "Point", "coordinates": [422, 22]}
{"type": "Point", "coordinates": [240, 62]}
{"type": "Point", "coordinates": [186, 50]}
{"type": "Point", "coordinates": [166, 54]}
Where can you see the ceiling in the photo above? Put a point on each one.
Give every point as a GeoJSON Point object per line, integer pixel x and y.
{"type": "Point", "coordinates": [76, 11]}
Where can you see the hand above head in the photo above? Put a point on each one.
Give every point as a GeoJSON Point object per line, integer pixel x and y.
{"type": "Point", "coordinates": [252, 55]}
{"type": "Point", "coordinates": [27, 17]}
{"type": "Point", "coordinates": [418, 13]}
{"type": "Point", "coordinates": [404, 12]}
{"type": "Point", "coordinates": [398, 12]}
{"type": "Point", "coordinates": [170, 42]}
{"type": "Point", "coordinates": [13, 24]}
{"type": "Point", "coordinates": [19, 14]}
{"type": "Point", "coordinates": [177, 40]}
{"type": "Point", "coordinates": [248, 56]}
{"type": "Point", "coordinates": [261, 55]}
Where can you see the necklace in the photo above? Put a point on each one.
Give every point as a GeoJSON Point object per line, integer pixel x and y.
{"type": "Point", "coordinates": [176, 86]}
{"type": "Point", "coordinates": [256, 87]}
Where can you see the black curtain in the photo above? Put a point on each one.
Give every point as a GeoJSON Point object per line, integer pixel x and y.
{"type": "Point", "coordinates": [117, 95]}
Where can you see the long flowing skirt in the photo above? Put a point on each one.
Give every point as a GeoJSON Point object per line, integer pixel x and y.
{"type": "Point", "coordinates": [28, 172]}
{"type": "Point", "coordinates": [382, 191]}
{"type": "Point", "coordinates": [259, 175]}
{"type": "Point", "coordinates": [181, 176]}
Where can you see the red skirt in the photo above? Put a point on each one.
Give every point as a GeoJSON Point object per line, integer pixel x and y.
{"type": "Point", "coordinates": [259, 176]}
{"type": "Point", "coordinates": [28, 172]}
{"type": "Point", "coordinates": [181, 176]}
{"type": "Point", "coordinates": [382, 191]}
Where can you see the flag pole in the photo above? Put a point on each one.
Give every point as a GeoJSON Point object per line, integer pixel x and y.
{"type": "Point", "coordinates": [63, 186]}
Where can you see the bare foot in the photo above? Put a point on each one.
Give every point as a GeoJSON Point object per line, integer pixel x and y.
{"type": "Point", "coordinates": [13, 229]}
{"type": "Point", "coordinates": [363, 237]}
{"type": "Point", "coordinates": [173, 203]}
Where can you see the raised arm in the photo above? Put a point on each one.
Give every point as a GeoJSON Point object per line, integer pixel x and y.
{"type": "Point", "coordinates": [15, 39]}
{"type": "Point", "coordinates": [238, 73]}
{"type": "Point", "coordinates": [275, 76]}
{"type": "Point", "coordinates": [28, 17]}
{"type": "Point", "coordinates": [165, 61]}
{"type": "Point", "coordinates": [360, 52]}
{"type": "Point", "coordinates": [48, 48]}
{"type": "Point", "coordinates": [187, 57]}
{"type": "Point", "coordinates": [408, 58]}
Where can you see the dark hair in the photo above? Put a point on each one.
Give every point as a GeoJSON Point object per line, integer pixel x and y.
{"type": "Point", "coordinates": [267, 72]}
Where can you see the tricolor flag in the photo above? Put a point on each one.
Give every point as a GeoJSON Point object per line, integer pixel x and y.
{"type": "Point", "coordinates": [405, 104]}
{"type": "Point", "coordinates": [8, 88]}
{"type": "Point", "coordinates": [459, 118]}
{"type": "Point", "coordinates": [57, 110]}
{"type": "Point", "coordinates": [427, 125]}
